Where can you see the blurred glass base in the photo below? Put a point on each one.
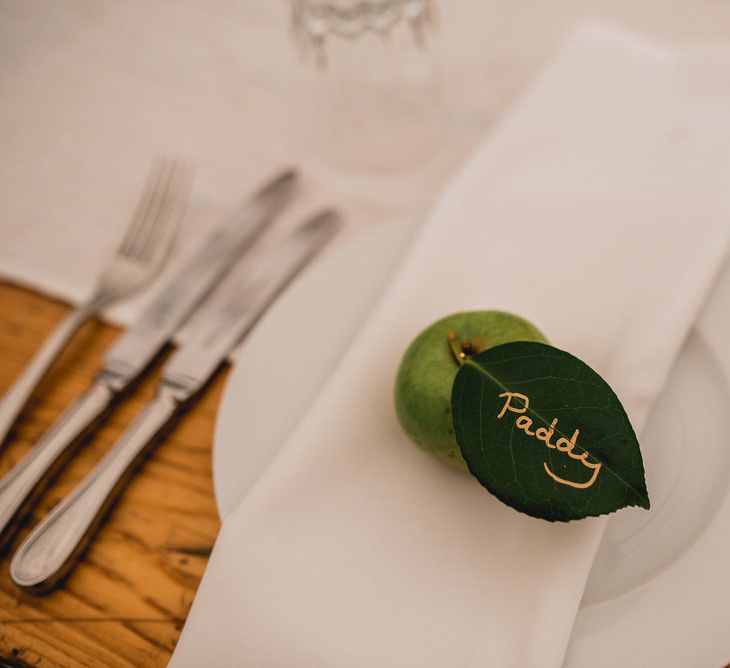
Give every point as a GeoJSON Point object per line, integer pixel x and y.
{"type": "Point", "coordinates": [314, 21]}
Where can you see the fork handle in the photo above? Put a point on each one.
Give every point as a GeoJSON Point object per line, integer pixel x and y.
{"type": "Point", "coordinates": [51, 549]}
{"type": "Point", "coordinates": [25, 482]}
{"type": "Point", "coordinates": [17, 396]}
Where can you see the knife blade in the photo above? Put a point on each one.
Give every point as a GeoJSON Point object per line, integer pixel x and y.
{"type": "Point", "coordinates": [137, 348]}
{"type": "Point", "coordinates": [51, 550]}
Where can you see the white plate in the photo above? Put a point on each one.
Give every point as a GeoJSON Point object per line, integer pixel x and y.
{"type": "Point", "coordinates": [658, 593]}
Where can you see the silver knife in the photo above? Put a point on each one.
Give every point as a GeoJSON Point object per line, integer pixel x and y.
{"type": "Point", "coordinates": [50, 551]}
{"type": "Point", "coordinates": [137, 348]}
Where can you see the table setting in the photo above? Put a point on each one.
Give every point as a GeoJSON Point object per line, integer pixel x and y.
{"type": "Point", "coordinates": [545, 196]}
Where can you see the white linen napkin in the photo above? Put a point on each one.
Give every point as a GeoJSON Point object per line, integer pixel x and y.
{"type": "Point", "coordinates": [599, 209]}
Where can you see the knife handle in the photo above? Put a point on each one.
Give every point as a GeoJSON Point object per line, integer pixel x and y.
{"type": "Point", "coordinates": [21, 487]}
{"type": "Point", "coordinates": [50, 551]}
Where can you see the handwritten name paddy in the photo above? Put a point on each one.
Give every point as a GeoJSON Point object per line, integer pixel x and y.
{"type": "Point", "coordinates": [545, 435]}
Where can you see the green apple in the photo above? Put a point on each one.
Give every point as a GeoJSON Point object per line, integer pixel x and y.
{"type": "Point", "coordinates": [429, 366]}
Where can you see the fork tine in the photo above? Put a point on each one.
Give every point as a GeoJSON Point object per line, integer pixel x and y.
{"type": "Point", "coordinates": [151, 216]}
{"type": "Point", "coordinates": [160, 215]}
{"type": "Point", "coordinates": [150, 190]}
{"type": "Point", "coordinates": [145, 205]}
{"type": "Point", "coordinates": [179, 204]}
{"type": "Point", "coordinates": [169, 214]}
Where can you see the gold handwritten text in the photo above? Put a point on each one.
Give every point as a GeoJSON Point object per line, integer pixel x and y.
{"type": "Point", "coordinates": [545, 434]}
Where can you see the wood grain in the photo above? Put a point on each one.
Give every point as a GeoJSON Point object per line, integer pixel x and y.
{"type": "Point", "coordinates": [127, 600]}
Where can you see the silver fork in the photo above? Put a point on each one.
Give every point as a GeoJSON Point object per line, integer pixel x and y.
{"type": "Point", "coordinates": [138, 258]}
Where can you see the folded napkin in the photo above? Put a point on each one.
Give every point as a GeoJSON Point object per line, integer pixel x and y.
{"type": "Point", "coordinates": [598, 209]}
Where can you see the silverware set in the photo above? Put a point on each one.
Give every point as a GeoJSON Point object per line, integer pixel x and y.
{"type": "Point", "coordinates": [203, 311]}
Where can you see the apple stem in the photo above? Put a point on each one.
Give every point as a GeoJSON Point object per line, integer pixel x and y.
{"type": "Point", "coordinates": [463, 349]}
{"type": "Point", "coordinates": [456, 347]}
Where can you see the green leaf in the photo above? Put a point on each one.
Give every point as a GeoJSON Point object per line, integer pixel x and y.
{"type": "Point", "coordinates": [565, 452]}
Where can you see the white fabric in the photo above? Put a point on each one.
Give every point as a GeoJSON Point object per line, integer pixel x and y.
{"type": "Point", "coordinates": [599, 210]}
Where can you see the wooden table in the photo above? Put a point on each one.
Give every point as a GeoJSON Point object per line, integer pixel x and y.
{"type": "Point", "coordinates": [127, 600]}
